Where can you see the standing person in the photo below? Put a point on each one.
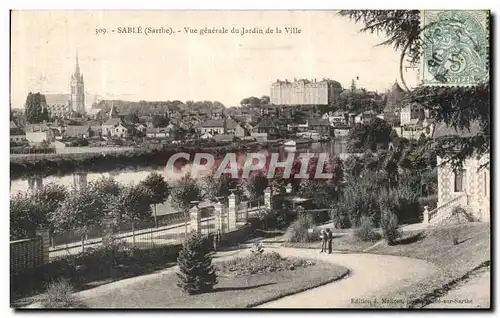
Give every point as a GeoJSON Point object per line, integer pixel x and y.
{"type": "Point", "coordinates": [330, 238]}
{"type": "Point", "coordinates": [323, 240]}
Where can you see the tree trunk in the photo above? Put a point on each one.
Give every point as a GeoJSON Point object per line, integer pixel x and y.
{"type": "Point", "coordinates": [133, 234]}
{"type": "Point", "coordinates": [156, 222]}
{"type": "Point", "coordinates": [83, 244]}
{"type": "Point", "coordinates": [185, 225]}
{"type": "Point", "coordinates": [52, 241]}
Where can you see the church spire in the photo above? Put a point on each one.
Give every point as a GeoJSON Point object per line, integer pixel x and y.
{"type": "Point", "coordinates": [77, 71]}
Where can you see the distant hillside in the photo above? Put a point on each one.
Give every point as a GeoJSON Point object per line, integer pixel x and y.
{"type": "Point", "coordinates": [143, 108]}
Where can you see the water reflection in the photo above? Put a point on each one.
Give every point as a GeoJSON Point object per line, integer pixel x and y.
{"type": "Point", "coordinates": [80, 179]}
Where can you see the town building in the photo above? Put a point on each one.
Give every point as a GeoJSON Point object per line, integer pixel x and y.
{"type": "Point", "coordinates": [57, 105]}
{"type": "Point", "coordinates": [239, 131]}
{"type": "Point", "coordinates": [265, 126]}
{"type": "Point", "coordinates": [321, 126]}
{"type": "Point", "coordinates": [108, 127]}
{"type": "Point", "coordinates": [365, 117]}
{"type": "Point", "coordinates": [335, 118]}
{"type": "Point", "coordinates": [305, 92]}
{"type": "Point", "coordinates": [410, 112]}
{"type": "Point", "coordinates": [230, 126]}
{"type": "Point", "coordinates": [158, 132]}
{"type": "Point", "coordinates": [394, 98]}
{"type": "Point", "coordinates": [94, 113]}
{"type": "Point", "coordinates": [16, 133]}
{"type": "Point", "coordinates": [77, 131]}
{"type": "Point", "coordinates": [39, 133]}
{"type": "Point", "coordinates": [213, 126]}
{"type": "Point", "coordinates": [467, 187]}
{"type": "Point", "coordinates": [141, 128]}
{"type": "Point", "coordinates": [120, 131]}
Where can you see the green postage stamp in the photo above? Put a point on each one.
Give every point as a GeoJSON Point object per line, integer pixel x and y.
{"type": "Point", "coordinates": [455, 47]}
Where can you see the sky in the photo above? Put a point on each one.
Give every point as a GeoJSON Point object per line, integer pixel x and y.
{"type": "Point", "coordinates": [218, 67]}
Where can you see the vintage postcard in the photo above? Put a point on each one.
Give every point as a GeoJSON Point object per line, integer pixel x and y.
{"type": "Point", "coordinates": [250, 159]}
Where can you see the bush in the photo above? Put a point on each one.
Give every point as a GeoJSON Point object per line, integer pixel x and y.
{"type": "Point", "coordinates": [429, 201]}
{"type": "Point", "coordinates": [260, 263]}
{"type": "Point", "coordinates": [59, 295]}
{"type": "Point", "coordinates": [389, 225]}
{"type": "Point", "coordinates": [298, 232]}
{"type": "Point", "coordinates": [366, 230]}
{"type": "Point", "coordinates": [196, 272]}
{"type": "Point", "coordinates": [340, 216]}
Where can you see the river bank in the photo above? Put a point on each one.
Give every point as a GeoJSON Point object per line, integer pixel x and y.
{"type": "Point", "coordinates": [64, 164]}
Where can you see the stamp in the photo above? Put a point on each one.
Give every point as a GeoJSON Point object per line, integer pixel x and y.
{"type": "Point", "coordinates": [455, 47]}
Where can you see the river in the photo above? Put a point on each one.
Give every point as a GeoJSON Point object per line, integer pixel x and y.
{"type": "Point", "coordinates": [133, 176]}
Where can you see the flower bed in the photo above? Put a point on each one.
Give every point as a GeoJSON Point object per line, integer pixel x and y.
{"type": "Point", "coordinates": [260, 263]}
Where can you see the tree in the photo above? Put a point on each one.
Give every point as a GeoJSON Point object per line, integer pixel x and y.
{"type": "Point", "coordinates": [264, 100]}
{"type": "Point", "coordinates": [322, 193]}
{"type": "Point", "coordinates": [22, 216]}
{"type": "Point", "coordinates": [196, 273]}
{"type": "Point", "coordinates": [131, 205]}
{"type": "Point", "coordinates": [183, 193]}
{"type": "Point", "coordinates": [357, 101]}
{"type": "Point", "coordinates": [30, 211]}
{"type": "Point", "coordinates": [212, 187]}
{"type": "Point", "coordinates": [244, 102]}
{"type": "Point", "coordinates": [47, 199]}
{"type": "Point", "coordinates": [34, 108]}
{"type": "Point", "coordinates": [45, 114]}
{"type": "Point", "coordinates": [106, 188]}
{"type": "Point", "coordinates": [178, 133]}
{"type": "Point", "coordinates": [79, 212]}
{"type": "Point", "coordinates": [131, 118]}
{"type": "Point", "coordinates": [458, 107]}
{"type": "Point", "coordinates": [464, 109]}
{"type": "Point", "coordinates": [253, 101]}
{"type": "Point", "coordinates": [159, 121]}
{"type": "Point", "coordinates": [159, 190]}
{"type": "Point", "coordinates": [369, 136]}
{"type": "Point", "coordinates": [255, 185]}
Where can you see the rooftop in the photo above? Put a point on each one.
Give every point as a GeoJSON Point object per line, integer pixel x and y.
{"type": "Point", "coordinates": [213, 123]}
{"type": "Point", "coordinates": [74, 131]}
{"type": "Point", "coordinates": [113, 122]}
{"type": "Point", "coordinates": [56, 99]}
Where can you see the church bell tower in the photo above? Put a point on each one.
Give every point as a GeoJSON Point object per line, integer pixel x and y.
{"type": "Point", "coordinates": [77, 96]}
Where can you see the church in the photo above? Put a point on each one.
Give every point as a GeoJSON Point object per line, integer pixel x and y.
{"type": "Point", "coordinates": [63, 105]}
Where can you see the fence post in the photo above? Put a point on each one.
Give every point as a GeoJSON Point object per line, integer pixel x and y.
{"type": "Point", "coordinates": [44, 234]}
{"type": "Point", "coordinates": [267, 198]}
{"type": "Point", "coordinates": [426, 215]}
{"type": "Point", "coordinates": [195, 219]}
{"type": "Point", "coordinates": [219, 217]}
{"type": "Point", "coordinates": [232, 210]}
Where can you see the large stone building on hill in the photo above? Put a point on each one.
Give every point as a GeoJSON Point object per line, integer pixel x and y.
{"type": "Point", "coordinates": [305, 92]}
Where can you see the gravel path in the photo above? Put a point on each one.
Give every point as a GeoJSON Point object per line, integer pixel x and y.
{"type": "Point", "coordinates": [370, 275]}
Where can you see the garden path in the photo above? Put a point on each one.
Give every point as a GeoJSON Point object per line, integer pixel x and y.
{"type": "Point", "coordinates": [370, 276]}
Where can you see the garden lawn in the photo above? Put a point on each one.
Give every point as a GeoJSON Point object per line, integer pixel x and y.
{"type": "Point", "coordinates": [230, 292]}
{"type": "Point", "coordinates": [456, 262]}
